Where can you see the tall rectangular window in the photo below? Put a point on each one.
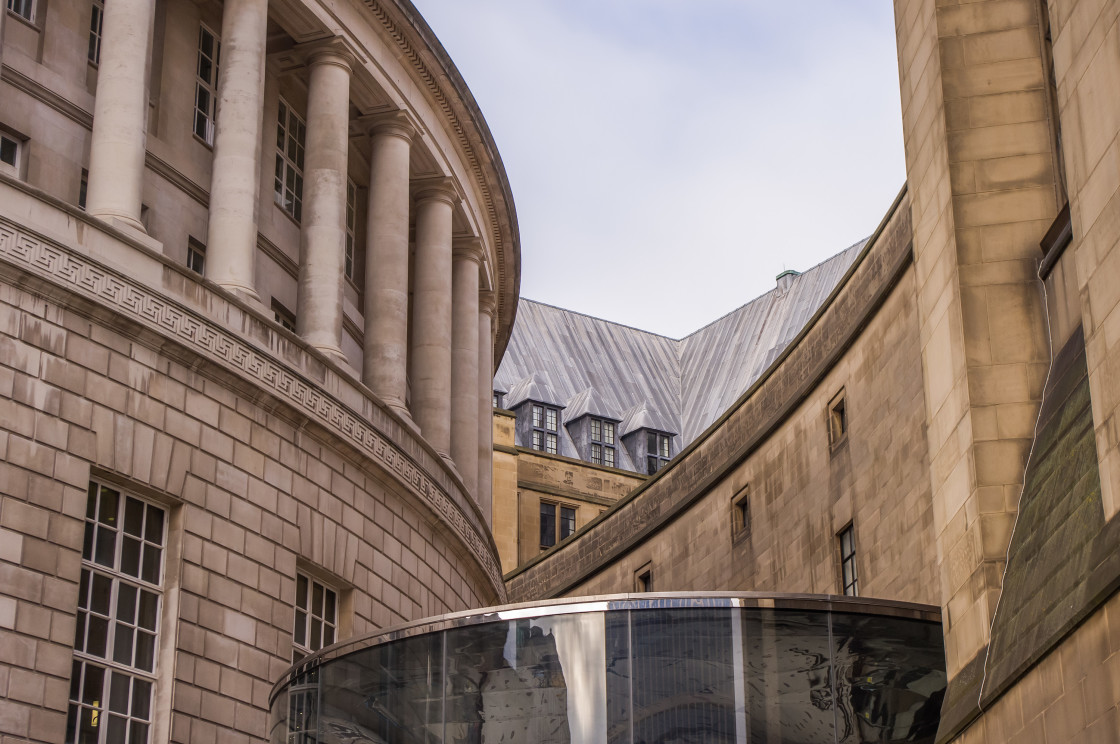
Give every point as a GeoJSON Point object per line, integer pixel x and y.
{"type": "Point", "coordinates": [117, 631]}
{"type": "Point", "coordinates": [291, 131]}
{"type": "Point", "coordinates": [351, 227]}
{"type": "Point", "coordinates": [658, 451]}
{"type": "Point", "coordinates": [567, 522]}
{"type": "Point", "coordinates": [602, 442]}
{"type": "Point", "coordinates": [545, 425]}
{"type": "Point", "coordinates": [83, 188]}
{"type": "Point", "coordinates": [11, 153]}
{"type": "Point", "coordinates": [548, 525]}
{"type": "Point", "coordinates": [23, 8]}
{"type": "Point", "coordinates": [206, 85]}
{"type": "Point", "coordinates": [316, 617]}
{"type": "Point", "coordinates": [848, 561]}
{"type": "Point", "coordinates": [96, 18]}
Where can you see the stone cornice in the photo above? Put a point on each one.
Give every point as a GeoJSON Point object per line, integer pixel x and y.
{"type": "Point", "coordinates": [742, 429]}
{"type": "Point", "coordinates": [211, 347]}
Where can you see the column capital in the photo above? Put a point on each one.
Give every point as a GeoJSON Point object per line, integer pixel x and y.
{"type": "Point", "coordinates": [467, 249]}
{"type": "Point", "coordinates": [487, 303]}
{"type": "Point", "coordinates": [440, 188]}
{"type": "Point", "coordinates": [333, 51]}
{"type": "Point", "coordinates": [398, 123]}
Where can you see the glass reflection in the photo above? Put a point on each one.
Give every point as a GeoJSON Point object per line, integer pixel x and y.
{"type": "Point", "coordinates": [789, 677]}
{"type": "Point", "coordinates": [666, 674]}
{"type": "Point", "coordinates": [890, 679]}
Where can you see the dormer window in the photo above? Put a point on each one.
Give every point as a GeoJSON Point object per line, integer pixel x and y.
{"type": "Point", "coordinates": [603, 443]}
{"type": "Point", "coordinates": [658, 449]}
{"type": "Point", "coordinates": [497, 399]}
{"type": "Point", "coordinates": [544, 422]}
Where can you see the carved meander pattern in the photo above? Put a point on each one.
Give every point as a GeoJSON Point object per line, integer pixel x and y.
{"type": "Point", "coordinates": [80, 274]}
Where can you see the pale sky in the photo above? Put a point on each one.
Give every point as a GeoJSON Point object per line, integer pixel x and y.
{"type": "Point", "coordinates": [668, 158]}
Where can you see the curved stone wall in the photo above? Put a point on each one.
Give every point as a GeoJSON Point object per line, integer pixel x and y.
{"type": "Point", "coordinates": [772, 453]}
{"type": "Point", "coordinates": [223, 384]}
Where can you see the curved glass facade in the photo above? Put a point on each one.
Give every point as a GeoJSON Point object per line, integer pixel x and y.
{"type": "Point", "coordinates": [630, 669]}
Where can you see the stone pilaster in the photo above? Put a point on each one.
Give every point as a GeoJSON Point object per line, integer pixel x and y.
{"type": "Point", "coordinates": [323, 233]}
{"type": "Point", "coordinates": [487, 306]}
{"type": "Point", "coordinates": [466, 263]}
{"type": "Point", "coordinates": [385, 357]}
{"type": "Point", "coordinates": [431, 335]}
{"type": "Point", "coordinates": [235, 181]}
{"type": "Point", "coordinates": [120, 113]}
{"type": "Point", "coordinates": [980, 166]}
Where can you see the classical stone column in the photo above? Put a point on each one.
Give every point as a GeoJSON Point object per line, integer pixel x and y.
{"type": "Point", "coordinates": [323, 234]}
{"type": "Point", "coordinates": [486, 308]}
{"type": "Point", "coordinates": [385, 357]}
{"type": "Point", "coordinates": [431, 333]}
{"type": "Point", "coordinates": [120, 114]}
{"type": "Point", "coordinates": [231, 244]}
{"type": "Point", "coordinates": [466, 262]}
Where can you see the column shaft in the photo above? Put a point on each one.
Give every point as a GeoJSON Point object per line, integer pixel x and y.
{"type": "Point", "coordinates": [323, 234]}
{"type": "Point", "coordinates": [464, 364]}
{"type": "Point", "coordinates": [385, 358]}
{"type": "Point", "coordinates": [120, 114]}
{"type": "Point", "coordinates": [486, 408]}
{"type": "Point", "coordinates": [235, 183]}
{"type": "Point", "coordinates": [431, 335]}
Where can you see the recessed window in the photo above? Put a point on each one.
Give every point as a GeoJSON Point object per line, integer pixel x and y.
{"type": "Point", "coordinates": [117, 630]}
{"type": "Point", "coordinates": [545, 421]}
{"type": "Point", "coordinates": [643, 579]}
{"type": "Point", "coordinates": [658, 448]}
{"type": "Point", "coordinates": [558, 523]}
{"type": "Point", "coordinates": [23, 8]}
{"type": "Point", "coordinates": [83, 189]}
{"type": "Point", "coordinates": [96, 19]}
{"type": "Point", "coordinates": [282, 315]}
{"type": "Point", "coordinates": [848, 575]}
{"type": "Point", "coordinates": [196, 256]}
{"type": "Point", "coordinates": [837, 419]}
{"type": "Point", "coordinates": [351, 227]}
{"type": "Point", "coordinates": [291, 131]}
{"type": "Point", "coordinates": [206, 85]}
{"type": "Point", "coordinates": [741, 515]}
{"type": "Point", "coordinates": [11, 152]}
{"type": "Point", "coordinates": [603, 442]}
{"type": "Point", "coordinates": [316, 617]}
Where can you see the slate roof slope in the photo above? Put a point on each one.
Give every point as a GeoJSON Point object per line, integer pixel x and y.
{"type": "Point", "coordinates": [724, 358]}
{"type": "Point", "coordinates": [690, 382]}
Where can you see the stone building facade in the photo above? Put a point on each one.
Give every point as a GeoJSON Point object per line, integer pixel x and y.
{"type": "Point", "coordinates": [257, 262]}
{"type": "Point", "coordinates": [942, 430]}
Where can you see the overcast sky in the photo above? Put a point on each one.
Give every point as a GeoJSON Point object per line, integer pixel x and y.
{"type": "Point", "coordinates": [669, 158]}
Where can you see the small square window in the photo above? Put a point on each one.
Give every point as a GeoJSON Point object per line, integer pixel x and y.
{"type": "Point", "coordinates": [11, 150]}
{"type": "Point", "coordinates": [837, 419]}
{"type": "Point", "coordinates": [643, 579]}
{"type": "Point", "coordinates": [196, 256]}
{"type": "Point", "coordinates": [285, 317]}
{"type": "Point", "coordinates": [741, 514]}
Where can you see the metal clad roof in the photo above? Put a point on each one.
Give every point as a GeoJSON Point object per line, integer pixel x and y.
{"type": "Point", "coordinates": [690, 382]}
